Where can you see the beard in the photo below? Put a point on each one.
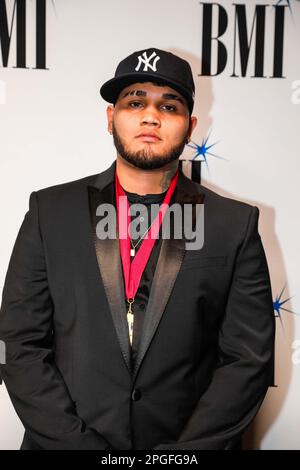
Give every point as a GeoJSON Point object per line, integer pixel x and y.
{"type": "Point", "coordinates": [147, 158]}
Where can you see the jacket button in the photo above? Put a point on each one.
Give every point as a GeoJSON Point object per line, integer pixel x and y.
{"type": "Point", "coordinates": [136, 394]}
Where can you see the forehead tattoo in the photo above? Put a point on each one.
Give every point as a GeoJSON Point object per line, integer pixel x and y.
{"type": "Point", "coordinates": [135, 93]}
{"type": "Point", "coordinates": [167, 96]}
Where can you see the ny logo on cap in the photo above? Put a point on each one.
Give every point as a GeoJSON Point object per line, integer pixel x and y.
{"type": "Point", "coordinates": [146, 61]}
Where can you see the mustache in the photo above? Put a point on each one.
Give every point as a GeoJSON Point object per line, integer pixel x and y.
{"type": "Point", "coordinates": [147, 158]}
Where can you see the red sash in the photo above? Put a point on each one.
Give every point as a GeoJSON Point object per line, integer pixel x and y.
{"type": "Point", "coordinates": [134, 269]}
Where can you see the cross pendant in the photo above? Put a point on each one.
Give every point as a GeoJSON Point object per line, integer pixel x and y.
{"type": "Point", "coordinates": [132, 252]}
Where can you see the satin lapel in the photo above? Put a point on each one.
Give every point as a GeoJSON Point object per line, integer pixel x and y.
{"type": "Point", "coordinates": [168, 265]}
{"type": "Point", "coordinates": [109, 262]}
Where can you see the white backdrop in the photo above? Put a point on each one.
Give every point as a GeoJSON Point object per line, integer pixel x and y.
{"type": "Point", "coordinates": [53, 130]}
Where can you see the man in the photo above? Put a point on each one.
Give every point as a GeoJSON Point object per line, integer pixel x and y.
{"type": "Point", "coordinates": [122, 343]}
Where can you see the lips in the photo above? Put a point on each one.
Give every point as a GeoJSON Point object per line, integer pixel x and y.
{"type": "Point", "coordinates": [148, 136]}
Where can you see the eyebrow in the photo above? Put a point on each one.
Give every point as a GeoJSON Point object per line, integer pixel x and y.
{"type": "Point", "coordinates": [167, 96]}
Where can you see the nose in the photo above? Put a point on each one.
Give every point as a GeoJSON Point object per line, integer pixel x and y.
{"type": "Point", "coordinates": [150, 116]}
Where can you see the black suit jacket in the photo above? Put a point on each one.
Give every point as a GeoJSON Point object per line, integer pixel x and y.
{"type": "Point", "coordinates": [205, 357]}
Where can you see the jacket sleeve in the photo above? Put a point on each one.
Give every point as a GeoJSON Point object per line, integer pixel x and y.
{"type": "Point", "coordinates": [245, 358]}
{"type": "Point", "coordinates": [34, 383]}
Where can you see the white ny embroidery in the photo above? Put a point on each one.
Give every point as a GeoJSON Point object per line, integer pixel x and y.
{"type": "Point", "coordinates": [146, 61]}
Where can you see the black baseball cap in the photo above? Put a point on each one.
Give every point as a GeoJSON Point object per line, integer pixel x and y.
{"type": "Point", "coordinates": [152, 65]}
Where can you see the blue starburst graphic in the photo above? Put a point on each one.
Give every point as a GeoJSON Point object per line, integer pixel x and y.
{"type": "Point", "coordinates": [54, 8]}
{"type": "Point", "coordinates": [203, 150]}
{"type": "Point", "coordinates": [277, 304]}
{"type": "Point", "coordinates": [285, 3]}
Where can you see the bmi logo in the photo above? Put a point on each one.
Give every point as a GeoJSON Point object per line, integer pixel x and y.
{"type": "Point", "coordinates": [143, 59]}
{"type": "Point", "coordinates": [244, 53]}
{"type": "Point", "coordinates": [13, 22]}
